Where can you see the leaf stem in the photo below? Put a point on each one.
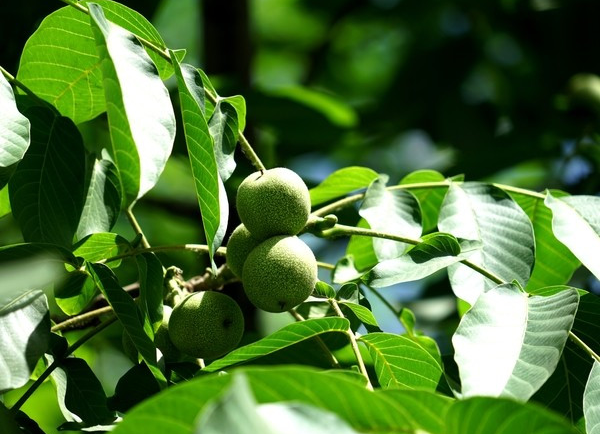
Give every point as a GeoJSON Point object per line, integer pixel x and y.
{"type": "Point", "coordinates": [349, 200]}
{"type": "Point", "coordinates": [584, 346]}
{"type": "Point", "coordinates": [353, 344]}
{"type": "Point", "coordinates": [13, 80]}
{"type": "Point", "coordinates": [58, 361]}
{"type": "Point", "coordinates": [326, 350]}
{"type": "Point", "coordinates": [343, 230]}
{"type": "Point", "coordinates": [136, 227]}
{"type": "Point", "coordinates": [81, 319]}
{"type": "Point", "coordinates": [203, 248]}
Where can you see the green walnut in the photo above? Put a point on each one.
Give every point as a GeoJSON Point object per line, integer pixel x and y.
{"type": "Point", "coordinates": [206, 325]}
{"type": "Point", "coordinates": [239, 246]}
{"type": "Point", "coordinates": [273, 202]}
{"type": "Point", "coordinates": [163, 341]}
{"type": "Point", "coordinates": [280, 273]}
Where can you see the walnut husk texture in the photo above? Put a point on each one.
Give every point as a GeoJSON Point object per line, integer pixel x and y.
{"type": "Point", "coordinates": [206, 325]}
{"type": "Point", "coordinates": [273, 202]}
{"type": "Point", "coordinates": [280, 273]}
{"type": "Point", "coordinates": [239, 246]}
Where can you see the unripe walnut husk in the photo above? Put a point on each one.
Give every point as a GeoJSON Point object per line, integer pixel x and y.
{"type": "Point", "coordinates": [206, 325]}
{"type": "Point", "coordinates": [279, 273]}
{"type": "Point", "coordinates": [273, 202]}
{"type": "Point", "coordinates": [240, 244]}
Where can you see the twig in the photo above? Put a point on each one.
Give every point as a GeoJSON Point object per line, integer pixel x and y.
{"type": "Point", "coordinates": [326, 350]}
{"type": "Point", "coordinates": [353, 344]}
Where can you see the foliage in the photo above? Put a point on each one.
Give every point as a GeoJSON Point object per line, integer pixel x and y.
{"type": "Point", "coordinates": [525, 352]}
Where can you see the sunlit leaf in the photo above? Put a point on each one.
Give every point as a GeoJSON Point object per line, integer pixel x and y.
{"type": "Point", "coordinates": [576, 224]}
{"type": "Point", "coordinates": [591, 400]}
{"type": "Point", "coordinates": [341, 182]}
{"type": "Point", "coordinates": [75, 292]}
{"type": "Point", "coordinates": [285, 337]}
{"type": "Point", "coordinates": [14, 132]}
{"type": "Point", "coordinates": [24, 335]}
{"type": "Point", "coordinates": [554, 263]}
{"type": "Point", "coordinates": [563, 391]}
{"type": "Point", "coordinates": [435, 252]}
{"type": "Point", "coordinates": [395, 212]}
{"type": "Point", "coordinates": [99, 246]}
{"type": "Point", "coordinates": [503, 416]}
{"type": "Point", "coordinates": [482, 212]}
{"type": "Point", "coordinates": [508, 344]}
{"type": "Point", "coordinates": [46, 189]}
{"type": "Point", "coordinates": [201, 153]}
{"type": "Point", "coordinates": [401, 362]}
{"type": "Point", "coordinates": [361, 312]}
{"type": "Point", "coordinates": [429, 198]}
{"type": "Point", "coordinates": [223, 127]}
{"type": "Point", "coordinates": [4, 202]}
{"type": "Point", "coordinates": [61, 65]}
{"type": "Point", "coordinates": [140, 115]}
{"type": "Point", "coordinates": [177, 408]}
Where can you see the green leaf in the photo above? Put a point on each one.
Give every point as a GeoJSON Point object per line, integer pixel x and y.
{"type": "Point", "coordinates": [508, 344]}
{"type": "Point", "coordinates": [503, 416]}
{"type": "Point", "coordinates": [75, 292]}
{"type": "Point", "coordinates": [102, 200]}
{"type": "Point", "coordinates": [554, 263]}
{"type": "Point", "coordinates": [335, 110]}
{"type": "Point", "coordinates": [80, 395]}
{"type": "Point", "coordinates": [324, 290]}
{"type": "Point", "coordinates": [201, 154]}
{"type": "Point", "coordinates": [239, 104]}
{"type": "Point", "coordinates": [362, 313]}
{"type": "Point", "coordinates": [14, 132]}
{"type": "Point", "coordinates": [430, 198]}
{"type": "Point", "coordinates": [223, 127]}
{"type": "Point", "coordinates": [46, 190]}
{"type": "Point", "coordinates": [435, 252]}
{"type": "Point", "coordinates": [237, 411]}
{"type": "Point", "coordinates": [485, 213]}
{"type": "Point", "coordinates": [134, 387]}
{"type": "Point", "coordinates": [402, 363]}
{"type": "Point", "coordinates": [345, 270]}
{"type": "Point", "coordinates": [563, 391]}
{"type": "Point", "coordinates": [24, 337]}
{"type": "Point", "coordinates": [177, 408]}
{"type": "Point", "coordinates": [61, 65]}
{"type": "Point", "coordinates": [151, 288]}
{"type": "Point", "coordinates": [395, 212]}
{"type": "Point", "coordinates": [4, 202]}
{"type": "Point", "coordinates": [140, 115]}
{"type": "Point", "coordinates": [591, 401]}
{"type": "Point", "coordinates": [283, 338]}
{"type": "Point", "coordinates": [576, 224]}
{"type": "Point", "coordinates": [99, 246]}
{"type": "Point", "coordinates": [427, 410]}
{"type": "Point", "coordinates": [361, 249]}
{"type": "Point", "coordinates": [341, 182]}
{"type": "Point", "coordinates": [127, 313]}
